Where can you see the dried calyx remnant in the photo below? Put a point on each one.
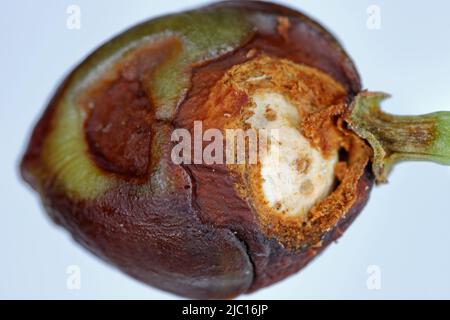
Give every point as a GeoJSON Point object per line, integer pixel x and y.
{"type": "Point", "coordinates": [100, 157]}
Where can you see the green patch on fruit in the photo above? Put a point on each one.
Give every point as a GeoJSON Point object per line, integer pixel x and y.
{"type": "Point", "coordinates": [65, 155]}
{"type": "Point", "coordinates": [205, 34]}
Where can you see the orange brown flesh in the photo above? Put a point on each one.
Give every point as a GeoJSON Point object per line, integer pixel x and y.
{"type": "Point", "coordinates": [160, 208]}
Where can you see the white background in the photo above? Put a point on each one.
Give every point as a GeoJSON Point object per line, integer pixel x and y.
{"type": "Point", "coordinates": [404, 229]}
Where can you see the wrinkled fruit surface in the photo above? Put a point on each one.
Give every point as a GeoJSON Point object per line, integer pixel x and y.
{"type": "Point", "coordinates": [100, 156]}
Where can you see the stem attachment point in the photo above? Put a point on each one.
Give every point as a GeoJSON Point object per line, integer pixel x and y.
{"type": "Point", "coordinates": [396, 138]}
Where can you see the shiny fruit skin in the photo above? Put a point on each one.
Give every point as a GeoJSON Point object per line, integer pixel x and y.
{"type": "Point", "coordinates": [163, 224]}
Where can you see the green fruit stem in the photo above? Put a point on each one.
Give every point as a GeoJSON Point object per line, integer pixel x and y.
{"type": "Point", "coordinates": [395, 138]}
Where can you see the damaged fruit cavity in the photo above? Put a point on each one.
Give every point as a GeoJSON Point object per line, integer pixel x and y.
{"type": "Point", "coordinates": [300, 109]}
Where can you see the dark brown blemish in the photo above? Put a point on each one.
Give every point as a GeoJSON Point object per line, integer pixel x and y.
{"type": "Point", "coordinates": [119, 129]}
{"type": "Point", "coordinates": [121, 111]}
{"type": "Point", "coordinates": [307, 188]}
{"type": "Point", "coordinates": [302, 165]}
{"type": "Point", "coordinates": [270, 114]}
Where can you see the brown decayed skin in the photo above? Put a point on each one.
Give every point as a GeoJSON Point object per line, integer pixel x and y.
{"type": "Point", "coordinates": [188, 229]}
{"type": "Point", "coordinates": [118, 129]}
{"type": "Point", "coordinates": [156, 236]}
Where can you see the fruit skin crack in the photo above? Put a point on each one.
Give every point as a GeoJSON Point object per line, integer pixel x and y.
{"type": "Point", "coordinates": [237, 236]}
